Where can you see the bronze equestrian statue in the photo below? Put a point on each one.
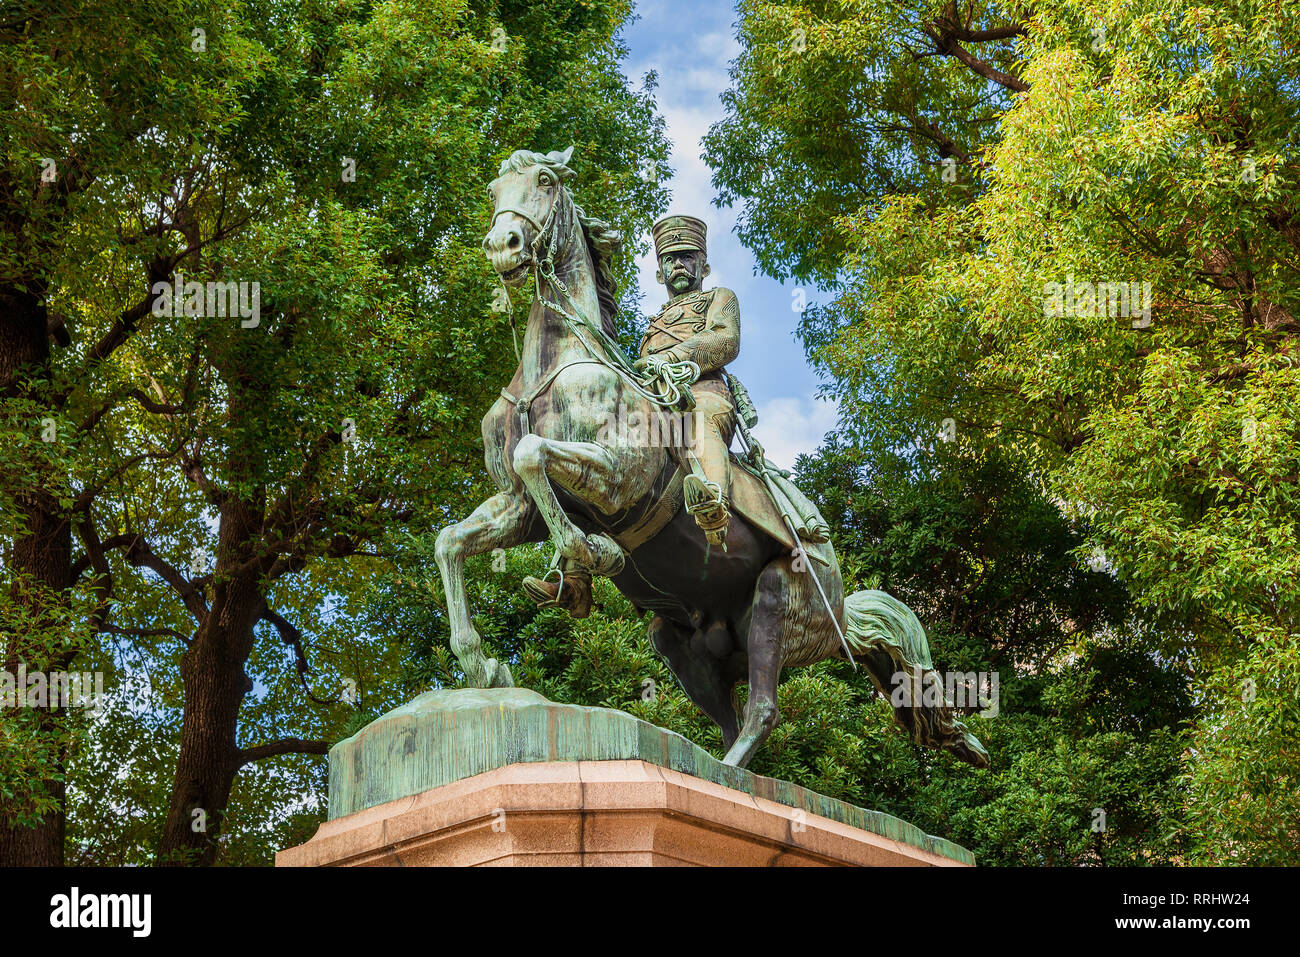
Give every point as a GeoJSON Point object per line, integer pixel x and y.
{"type": "Point", "coordinates": [740, 576]}
{"type": "Point", "coordinates": [698, 326]}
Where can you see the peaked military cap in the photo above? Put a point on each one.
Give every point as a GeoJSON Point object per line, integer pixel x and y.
{"type": "Point", "coordinates": [678, 232]}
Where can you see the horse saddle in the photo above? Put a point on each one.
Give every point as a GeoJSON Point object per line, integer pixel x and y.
{"type": "Point", "coordinates": [749, 498]}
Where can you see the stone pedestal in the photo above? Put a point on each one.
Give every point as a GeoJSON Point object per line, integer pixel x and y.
{"type": "Point", "coordinates": [503, 776]}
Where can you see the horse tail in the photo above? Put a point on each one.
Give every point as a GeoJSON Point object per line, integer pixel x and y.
{"type": "Point", "coordinates": [888, 639]}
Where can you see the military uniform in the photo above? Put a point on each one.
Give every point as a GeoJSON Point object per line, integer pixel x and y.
{"type": "Point", "coordinates": [700, 326]}
{"type": "Point", "coordinates": [704, 327]}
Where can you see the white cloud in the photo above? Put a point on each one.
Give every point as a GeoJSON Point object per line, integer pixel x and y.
{"type": "Point", "coordinates": [790, 426]}
{"type": "Point", "coordinates": [692, 70]}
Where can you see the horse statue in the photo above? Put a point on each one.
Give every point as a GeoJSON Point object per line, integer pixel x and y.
{"type": "Point", "coordinates": [612, 503]}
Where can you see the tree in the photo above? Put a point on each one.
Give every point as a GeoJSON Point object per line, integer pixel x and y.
{"type": "Point", "coordinates": [835, 105]}
{"type": "Point", "coordinates": [238, 460]}
{"type": "Point", "coordinates": [84, 127]}
{"type": "Point", "coordinates": [1117, 311]}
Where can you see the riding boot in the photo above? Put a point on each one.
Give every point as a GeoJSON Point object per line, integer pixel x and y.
{"type": "Point", "coordinates": [707, 487]}
{"type": "Point", "coordinates": [572, 591]}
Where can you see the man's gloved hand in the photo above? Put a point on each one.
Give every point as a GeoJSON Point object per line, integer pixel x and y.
{"type": "Point", "coordinates": [650, 365]}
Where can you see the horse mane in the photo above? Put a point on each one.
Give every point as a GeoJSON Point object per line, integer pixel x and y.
{"type": "Point", "coordinates": [603, 241]}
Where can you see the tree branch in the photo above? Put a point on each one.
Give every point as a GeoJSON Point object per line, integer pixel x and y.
{"type": "Point", "coordinates": [967, 35]}
{"type": "Point", "coordinates": [290, 635]}
{"type": "Point", "coordinates": [145, 632]}
{"type": "Point", "coordinates": [139, 553]}
{"type": "Point", "coordinates": [121, 330]}
{"type": "Point", "coordinates": [83, 500]}
{"type": "Point", "coordinates": [945, 36]}
{"type": "Point", "coordinates": [276, 748]}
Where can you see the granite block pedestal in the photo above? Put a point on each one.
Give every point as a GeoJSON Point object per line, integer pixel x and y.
{"type": "Point", "coordinates": [504, 776]}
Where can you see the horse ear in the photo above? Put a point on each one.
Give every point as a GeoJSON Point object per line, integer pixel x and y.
{"type": "Point", "coordinates": [564, 157]}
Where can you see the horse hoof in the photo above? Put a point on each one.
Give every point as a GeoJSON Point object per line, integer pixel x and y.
{"type": "Point", "coordinates": [498, 675]}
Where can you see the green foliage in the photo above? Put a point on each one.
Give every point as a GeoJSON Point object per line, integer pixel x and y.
{"type": "Point", "coordinates": [833, 105]}
{"type": "Point", "coordinates": [335, 154]}
{"type": "Point", "coordinates": [1154, 144]}
{"type": "Point", "coordinates": [1086, 719]}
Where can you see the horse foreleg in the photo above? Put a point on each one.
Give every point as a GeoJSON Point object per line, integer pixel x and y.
{"type": "Point", "coordinates": [768, 625]}
{"type": "Point", "coordinates": [500, 522]}
{"type": "Point", "coordinates": [592, 473]}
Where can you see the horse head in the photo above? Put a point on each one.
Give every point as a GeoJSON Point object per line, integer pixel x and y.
{"type": "Point", "coordinates": [526, 196]}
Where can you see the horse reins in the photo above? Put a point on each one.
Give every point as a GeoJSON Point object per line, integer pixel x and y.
{"type": "Point", "coordinates": [674, 375]}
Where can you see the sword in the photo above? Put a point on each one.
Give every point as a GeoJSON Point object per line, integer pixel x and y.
{"type": "Point", "coordinates": [799, 552]}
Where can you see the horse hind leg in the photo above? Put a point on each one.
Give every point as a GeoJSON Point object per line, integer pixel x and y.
{"type": "Point", "coordinates": [702, 674]}
{"type": "Point", "coordinates": [769, 626]}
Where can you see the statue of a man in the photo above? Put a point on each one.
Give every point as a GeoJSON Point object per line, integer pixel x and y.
{"type": "Point", "coordinates": [695, 325]}
{"type": "Point", "coordinates": [700, 326]}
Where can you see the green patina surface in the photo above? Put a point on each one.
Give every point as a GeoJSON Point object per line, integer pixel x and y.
{"type": "Point", "coordinates": [446, 736]}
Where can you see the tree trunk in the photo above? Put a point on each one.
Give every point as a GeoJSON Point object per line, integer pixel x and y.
{"type": "Point", "coordinates": [42, 555]}
{"type": "Point", "coordinates": [212, 670]}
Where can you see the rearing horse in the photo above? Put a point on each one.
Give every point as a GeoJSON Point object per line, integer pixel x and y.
{"type": "Point", "coordinates": [611, 501]}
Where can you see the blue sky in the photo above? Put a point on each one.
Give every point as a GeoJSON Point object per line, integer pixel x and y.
{"type": "Point", "coordinates": [691, 45]}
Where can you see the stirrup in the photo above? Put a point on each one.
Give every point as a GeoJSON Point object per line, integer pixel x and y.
{"type": "Point", "coordinates": [710, 513]}
{"type": "Point", "coordinates": [692, 487]}
{"type": "Point", "coordinates": [541, 598]}
{"type": "Point", "coordinates": [576, 599]}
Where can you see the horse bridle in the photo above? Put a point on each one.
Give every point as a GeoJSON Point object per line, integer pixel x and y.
{"type": "Point", "coordinates": [518, 212]}
{"type": "Point", "coordinates": [548, 230]}
{"type": "Point", "coordinates": [673, 375]}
